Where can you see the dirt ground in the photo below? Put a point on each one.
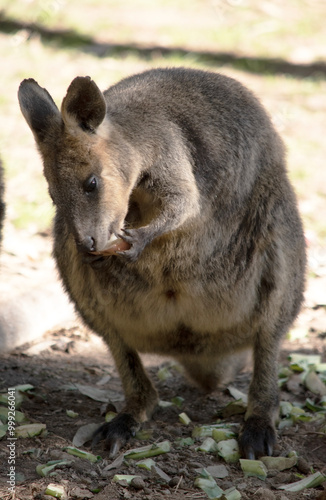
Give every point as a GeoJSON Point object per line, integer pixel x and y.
{"type": "Point", "coordinates": [65, 357]}
{"type": "Point", "coordinates": [54, 364]}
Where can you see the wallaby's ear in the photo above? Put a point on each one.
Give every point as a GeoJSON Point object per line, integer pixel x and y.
{"type": "Point", "coordinates": [84, 104]}
{"type": "Point", "coordinates": [38, 108]}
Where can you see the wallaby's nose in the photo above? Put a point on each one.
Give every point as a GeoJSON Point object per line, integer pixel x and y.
{"type": "Point", "coordinates": [86, 245]}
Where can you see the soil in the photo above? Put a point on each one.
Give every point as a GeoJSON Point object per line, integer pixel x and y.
{"type": "Point", "coordinates": [61, 359]}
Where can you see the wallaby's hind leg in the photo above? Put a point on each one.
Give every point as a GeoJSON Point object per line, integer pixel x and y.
{"type": "Point", "coordinates": [140, 395]}
{"type": "Point", "coordinates": [210, 373]}
{"type": "Point", "coordinates": [258, 434]}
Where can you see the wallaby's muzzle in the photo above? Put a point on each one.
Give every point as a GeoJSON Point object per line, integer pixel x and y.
{"type": "Point", "coordinates": [86, 245]}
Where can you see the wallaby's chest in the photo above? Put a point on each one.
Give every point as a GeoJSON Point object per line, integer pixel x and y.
{"type": "Point", "coordinates": [156, 311]}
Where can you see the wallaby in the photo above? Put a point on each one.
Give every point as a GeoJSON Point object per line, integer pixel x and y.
{"type": "Point", "coordinates": [2, 203]}
{"type": "Point", "coordinates": [176, 231]}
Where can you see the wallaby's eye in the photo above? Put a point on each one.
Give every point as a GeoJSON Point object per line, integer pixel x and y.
{"type": "Point", "coordinates": [90, 184]}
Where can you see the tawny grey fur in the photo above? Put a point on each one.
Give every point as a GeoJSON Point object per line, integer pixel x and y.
{"type": "Point", "coordinates": [188, 164]}
{"type": "Point", "coordinates": [2, 203]}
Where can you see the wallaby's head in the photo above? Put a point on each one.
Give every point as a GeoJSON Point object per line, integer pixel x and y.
{"type": "Point", "coordinates": [87, 171]}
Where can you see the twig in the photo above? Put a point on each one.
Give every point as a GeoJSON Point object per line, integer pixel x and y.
{"type": "Point", "coordinates": [179, 482]}
{"type": "Point", "coordinates": [315, 449]}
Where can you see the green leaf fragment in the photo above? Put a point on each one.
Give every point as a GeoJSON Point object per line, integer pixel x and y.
{"type": "Point", "coordinates": [184, 419]}
{"type": "Point", "coordinates": [19, 397]}
{"type": "Point", "coordinates": [124, 477]}
{"type": "Point", "coordinates": [285, 423]}
{"type": "Point", "coordinates": [82, 454]}
{"type": "Point", "coordinates": [209, 486]}
{"type": "Point", "coordinates": [234, 408]}
{"type": "Point", "coordinates": [4, 399]}
{"type": "Point", "coordinates": [177, 401]}
{"type": "Point", "coordinates": [238, 395]}
{"type": "Point", "coordinates": [165, 404]}
{"type": "Point", "coordinates": [144, 434]}
{"type": "Point", "coordinates": [206, 430]}
{"type": "Point", "coordinates": [18, 415]}
{"type": "Point", "coordinates": [56, 491]}
{"type": "Point", "coordinates": [231, 494]}
{"type": "Point", "coordinates": [222, 434]}
{"type": "Point", "coordinates": [71, 414]}
{"type": "Point", "coordinates": [323, 401]}
{"type": "Point", "coordinates": [254, 468]}
{"type": "Point", "coordinates": [321, 368]}
{"type": "Point", "coordinates": [164, 373]}
{"type": "Point", "coordinates": [279, 463]}
{"type": "Point", "coordinates": [313, 406]}
{"type": "Point", "coordinates": [311, 481]}
{"type": "Point", "coordinates": [181, 442]}
{"type": "Point", "coordinates": [24, 387]}
{"type": "Point", "coordinates": [297, 333]}
{"type": "Point", "coordinates": [3, 430]}
{"type": "Point", "coordinates": [285, 408]}
{"type": "Point", "coordinates": [147, 464]}
{"type": "Point", "coordinates": [30, 430]}
{"type": "Point", "coordinates": [314, 384]}
{"type": "Point", "coordinates": [282, 381]}
{"type": "Point", "coordinates": [148, 451]}
{"type": "Point", "coordinates": [298, 367]}
{"type": "Point", "coordinates": [284, 372]}
{"type": "Point", "coordinates": [110, 415]}
{"type": "Point", "coordinates": [229, 450]}
{"type": "Point", "coordinates": [306, 359]}
{"type": "Point", "coordinates": [209, 445]}
{"type": "Point", "coordinates": [45, 469]}
{"type": "Point", "coordinates": [298, 414]}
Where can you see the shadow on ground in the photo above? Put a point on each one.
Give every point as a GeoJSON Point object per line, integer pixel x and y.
{"type": "Point", "coordinates": [82, 42]}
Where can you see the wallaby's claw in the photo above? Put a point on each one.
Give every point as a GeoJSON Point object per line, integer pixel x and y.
{"type": "Point", "coordinates": [257, 438]}
{"type": "Point", "coordinates": [137, 243]}
{"type": "Point", "coordinates": [116, 433]}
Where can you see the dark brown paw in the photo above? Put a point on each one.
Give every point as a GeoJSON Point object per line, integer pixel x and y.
{"type": "Point", "coordinates": [257, 438]}
{"type": "Point", "coordinates": [116, 433]}
{"type": "Point", "coordinates": [137, 241]}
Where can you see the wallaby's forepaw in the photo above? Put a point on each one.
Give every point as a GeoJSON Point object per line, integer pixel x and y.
{"type": "Point", "coordinates": [257, 438]}
{"type": "Point", "coordinates": [116, 433]}
{"type": "Point", "coordinates": [137, 241]}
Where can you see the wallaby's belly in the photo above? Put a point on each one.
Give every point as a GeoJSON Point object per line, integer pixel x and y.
{"type": "Point", "coordinates": [164, 316]}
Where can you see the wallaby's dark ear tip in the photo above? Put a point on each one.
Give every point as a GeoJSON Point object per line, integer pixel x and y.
{"type": "Point", "coordinates": [26, 85]}
{"type": "Point", "coordinates": [38, 107]}
{"type": "Point", "coordinates": [27, 81]}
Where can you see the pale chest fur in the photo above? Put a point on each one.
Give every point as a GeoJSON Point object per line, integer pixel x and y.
{"type": "Point", "coordinates": [154, 310]}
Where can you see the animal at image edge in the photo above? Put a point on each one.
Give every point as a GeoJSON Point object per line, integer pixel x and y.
{"type": "Point", "coordinates": [2, 204]}
{"type": "Point", "coordinates": [176, 231]}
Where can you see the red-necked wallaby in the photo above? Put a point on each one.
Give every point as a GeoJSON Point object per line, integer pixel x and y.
{"type": "Point", "coordinates": [176, 230]}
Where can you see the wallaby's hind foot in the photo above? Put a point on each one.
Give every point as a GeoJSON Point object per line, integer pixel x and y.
{"type": "Point", "coordinates": [141, 399]}
{"type": "Point", "coordinates": [116, 433]}
{"type": "Point", "coordinates": [257, 438]}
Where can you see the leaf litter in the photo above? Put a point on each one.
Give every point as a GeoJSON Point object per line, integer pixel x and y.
{"type": "Point", "coordinates": [210, 444]}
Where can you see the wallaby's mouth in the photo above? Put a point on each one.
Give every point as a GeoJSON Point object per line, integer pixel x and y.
{"type": "Point", "coordinates": [114, 245]}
